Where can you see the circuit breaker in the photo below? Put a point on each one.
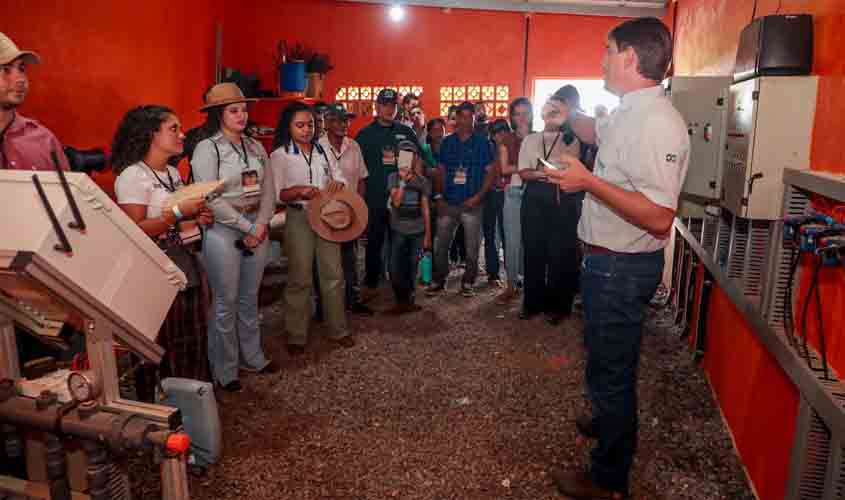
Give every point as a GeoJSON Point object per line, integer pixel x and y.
{"type": "Point", "coordinates": [770, 127]}
{"type": "Point", "coordinates": [703, 103]}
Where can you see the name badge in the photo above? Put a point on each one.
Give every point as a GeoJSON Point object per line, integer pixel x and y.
{"type": "Point", "coordinates": [460, 176]}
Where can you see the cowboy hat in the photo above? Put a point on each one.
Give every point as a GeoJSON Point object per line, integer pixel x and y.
{"type": "Point", "coordinates": [224, 94]}
{"type": "Point", "coordinates": [338, 217]}
{"type": "Point", "coordinates": [9, 52]}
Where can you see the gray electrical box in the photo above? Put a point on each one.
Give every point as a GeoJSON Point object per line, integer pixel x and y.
{"type": "Point", "coordinates": [703, 103]}
{"type": "Point", "coordinates": [770, 127]}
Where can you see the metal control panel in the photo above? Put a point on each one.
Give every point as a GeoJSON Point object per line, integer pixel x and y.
{"type": "Point", "coordinates": [770, 127]}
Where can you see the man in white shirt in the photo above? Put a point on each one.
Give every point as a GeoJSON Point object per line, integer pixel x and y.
{"type": "Point", "coordinates": [630, 203]}
{"type": "Point", "coordinates": [345, 155]}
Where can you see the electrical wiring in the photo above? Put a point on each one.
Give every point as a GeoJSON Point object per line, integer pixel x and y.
{"type": "Point", "coordinates": [813, 293]}
{"type": "Point", "coordinates": [788, 323]}
{"type": "Point", "coordinates": [754, 11]}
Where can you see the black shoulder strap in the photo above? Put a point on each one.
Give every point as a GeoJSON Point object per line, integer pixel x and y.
{"type": "Point", "coordinates": [218, 157]}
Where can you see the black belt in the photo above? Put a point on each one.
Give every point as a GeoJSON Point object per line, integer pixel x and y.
{"type": "Point", "coordinates": [589, 249]}
{"type": "Point", "coordinates": [296, 206]}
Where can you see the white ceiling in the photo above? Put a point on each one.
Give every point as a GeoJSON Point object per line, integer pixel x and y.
{"type": "Point", "coordinates": [621, 8]}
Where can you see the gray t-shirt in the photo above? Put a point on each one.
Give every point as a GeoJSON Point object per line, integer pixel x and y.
{"type": "Point", "coordinates": [408, 217]}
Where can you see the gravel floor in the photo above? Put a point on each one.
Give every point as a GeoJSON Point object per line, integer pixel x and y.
{"type": "Point", "coordinates": [459, 401]}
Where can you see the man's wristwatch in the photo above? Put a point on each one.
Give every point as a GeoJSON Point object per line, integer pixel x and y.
{"type": "Point", "coordinates": [437, 196]}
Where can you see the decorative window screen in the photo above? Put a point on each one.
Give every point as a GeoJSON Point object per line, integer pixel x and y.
{"type": "Point", "coordinates": [361, 99]}
{"type": "Point", "coordinates": [495, 98]}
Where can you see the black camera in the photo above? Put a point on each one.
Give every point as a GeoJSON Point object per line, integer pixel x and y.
{"type": "Point", "coordinates": [240, 245]}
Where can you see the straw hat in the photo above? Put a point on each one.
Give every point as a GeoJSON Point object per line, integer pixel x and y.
{"type": "Point", "coordinates": [9, 52]}
{"type": "Point", "coordinates": [224, 94]}
{"type": "Point", "coordinates": [338, 217]}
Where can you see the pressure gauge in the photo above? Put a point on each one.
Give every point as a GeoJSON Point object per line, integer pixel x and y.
{"type": "Point", "coordinates": [83, 386]}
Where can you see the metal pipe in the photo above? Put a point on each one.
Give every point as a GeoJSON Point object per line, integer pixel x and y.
{"type": "Point", "coordinates": [56, 468]}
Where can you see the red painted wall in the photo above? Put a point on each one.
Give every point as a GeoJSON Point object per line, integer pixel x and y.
{"type": "Point", "coordinates": [430, 47]}
{"type": "Point", "coordinates": [758, 401]}
{"type": "Point", "coordinates": [102, 58]}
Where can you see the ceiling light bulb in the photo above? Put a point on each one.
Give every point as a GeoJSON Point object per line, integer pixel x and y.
{"type": "Point", "coordinates": [397, 13]}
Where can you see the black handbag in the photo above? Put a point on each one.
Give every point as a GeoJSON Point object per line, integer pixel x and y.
{"type": "Point", "coordinates": [184, 256]}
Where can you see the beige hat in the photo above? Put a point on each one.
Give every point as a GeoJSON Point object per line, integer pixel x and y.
{"type": "Point", "coordinates": [338, 217]}
{"type": "Point", "coordinates": [224, 94]}
{"type": "Point", "coordinates": [9, 52]}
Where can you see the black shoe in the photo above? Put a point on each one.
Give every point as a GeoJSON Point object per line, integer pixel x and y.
{"type": "Point", "coordinates": [584, 425]}
{"type": "Point", "coordinates": [345, 342]}
{"type": "Point", "coordinates": [554, 319]}
{"type": "Point", "coordinates": [526, 315]}
{"type": "Point", "coordinates": [580, 485]}
{"type": "Point", "coordinates": [295, 350]}
{"type": "Point", "coordinates": [359, 308]}
{"type": "Point", "coordinates": [233, 386]}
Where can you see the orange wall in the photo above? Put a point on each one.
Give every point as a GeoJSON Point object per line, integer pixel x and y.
{"type": "Point", "coordinates": [757, 399]}
{"type": "Point", "coordinates": [759, 402]}
{"type": "Point", "coordinates": [104, 57]}
{"type": "Point", "coordinates": [430, 47]}
{"type": "Point", "coordinates": [708, 34]}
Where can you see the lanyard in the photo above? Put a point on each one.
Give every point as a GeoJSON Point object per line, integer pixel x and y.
{"type": "Point", "coordinates": [246, 156]}
{"type": "Point", "coordinates": [549, 153]}
{"type": "Point", "coordinates": [308, 160]}
{"type": "Point", "coordinates": [170, 187]}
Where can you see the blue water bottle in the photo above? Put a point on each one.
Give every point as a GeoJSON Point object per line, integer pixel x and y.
{"type": "Point", "coordinates": [425, 265]}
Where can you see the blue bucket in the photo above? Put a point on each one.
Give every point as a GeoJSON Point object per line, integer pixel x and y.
{"type": "Point", "coordinates": [292, 76]}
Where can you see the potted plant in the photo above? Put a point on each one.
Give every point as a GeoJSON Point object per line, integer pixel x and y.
{"type": "Point", "coordinates": [291, 64]}
{"type": "Point", "coordinates": [316, 68]}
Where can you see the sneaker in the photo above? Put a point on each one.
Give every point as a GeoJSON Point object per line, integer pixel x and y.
{"type": "Point", "coordinates": [434, 289]}
{"type": "Point", "coordinates": [467, 291]}
{"type": "Point", "coordinates": [359, 308]}
{"type": "Point", "coordinates": [495, 283]}
{"type": "Point", "coordinates": [233, 386]}
{"type": "Point", "coordinates": [271, 367]}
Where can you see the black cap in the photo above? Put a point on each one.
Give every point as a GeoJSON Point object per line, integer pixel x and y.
{"type": "Point", "coordinates": [337, 110]}
{"type": "Point", "coordinates": [387, 96]}
{"type": "Point", "coordinates": [406, 145]}
{"type": "Point", "coordinates": [465, 106]}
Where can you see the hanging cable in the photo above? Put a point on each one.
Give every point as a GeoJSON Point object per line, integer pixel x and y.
{"type": "Point", "coordinates": [754, 11]}
{"type": "Point", "coordinates": [814, 283]}
{"type": "Point", "coordinates": [788, 321]}
{"type": "Point", "coordinates": [780, 4]}
{"type": "Point", "coordinates": [525, 55]}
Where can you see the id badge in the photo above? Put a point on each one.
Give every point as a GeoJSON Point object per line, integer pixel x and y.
{"type": "Point", "coordinates": [460, 176]}
{"type": "Point", "coordinates": [388, 156]}
{"type": "Point", "coordinates": [249, 181]}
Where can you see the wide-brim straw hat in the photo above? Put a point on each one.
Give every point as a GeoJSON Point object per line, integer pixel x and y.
{"type": "Point", "coordinates": [338, 217]}
{"type": "Point", "coordinates": [9, 52]}
{"type": "Point", "coordinates": [224, 94]}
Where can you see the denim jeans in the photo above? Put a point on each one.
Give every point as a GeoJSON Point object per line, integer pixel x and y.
{"type": "Point", "coordinates": [616, 289]}
{"type": "Point", "coordinates": [514, 264]}
{"type": "Point", "coordinates": [233, 330]}
{"type": "Point", "coordinates": [491, 221]}
{"type": "Point", "coordinates": [403, 265]}
{"type": "Point", "coordinates": [446, 225]}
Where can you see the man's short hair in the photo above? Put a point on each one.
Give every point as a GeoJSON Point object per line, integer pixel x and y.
{"type": "Point", "coordinates": [408, 98]}
{"type": "Point", "coordinates": [652, 43]}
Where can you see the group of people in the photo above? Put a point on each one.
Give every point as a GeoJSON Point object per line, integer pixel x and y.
{"type": "Point", "coordinates": [583, 203]}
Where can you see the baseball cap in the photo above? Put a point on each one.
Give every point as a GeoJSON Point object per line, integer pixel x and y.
{"type": "Point", "coordinates": [337, 110]}
{"type": "Point", "coordinates": [9, 52]}
{"type": "Point", "coordinates": [387, 96]}
{"type": "Point", "coordinates": [406, 145]}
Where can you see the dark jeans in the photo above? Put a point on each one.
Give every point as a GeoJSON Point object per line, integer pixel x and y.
{"type": "Point", "coordinates": [349, 260]}
{"type": "Point", "coordinates": [491, 219]}
{"type": "Point", "coordinates": [458, 250]}
{"type": "Point", "coordinates": [616, 289]}
{"type": "Point", "coordinates": [550, 242]}
{"type": "Point", "coordinates": [403, 265]}
{"type": "Point", "coordinates": [377, 228]}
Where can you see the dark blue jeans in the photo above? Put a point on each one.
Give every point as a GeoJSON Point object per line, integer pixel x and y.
{"type": "Point", "coordinates": [492, 218]}
{"type": "Point", "coordinates": [615, 290]}
{"type": "Point", "coordinates": [405, 250]}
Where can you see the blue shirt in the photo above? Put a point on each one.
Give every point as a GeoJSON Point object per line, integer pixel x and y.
{"type": "Point", "coordinates": [473, 155]}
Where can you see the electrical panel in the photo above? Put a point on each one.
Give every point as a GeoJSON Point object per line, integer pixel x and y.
{"type": "Point", "coordinates": [770, 127]}
{"type": "Point", "coordinates": [703, 103]}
